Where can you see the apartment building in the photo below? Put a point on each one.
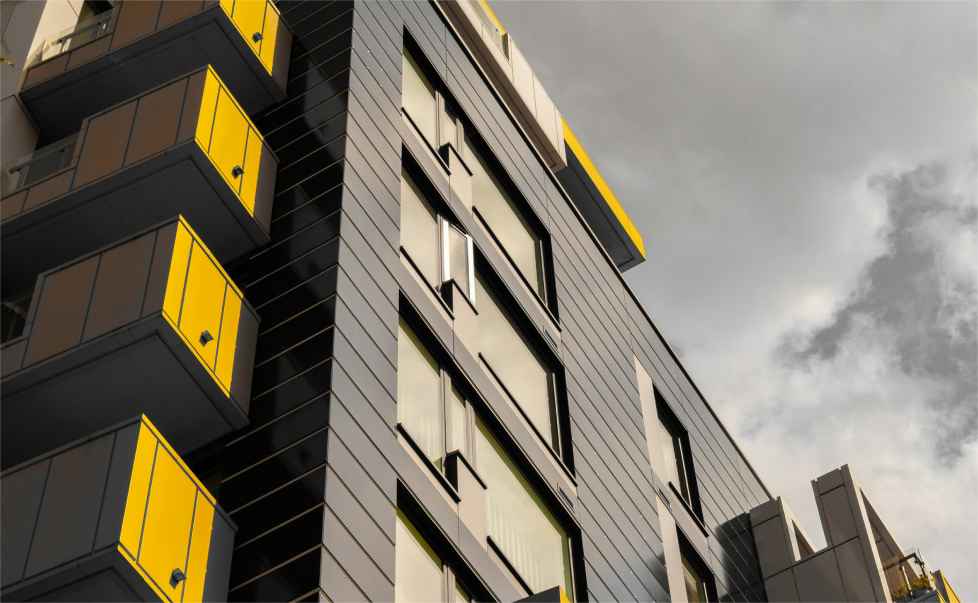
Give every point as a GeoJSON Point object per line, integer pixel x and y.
{"type": "Point", "coordinates": [323, 300]}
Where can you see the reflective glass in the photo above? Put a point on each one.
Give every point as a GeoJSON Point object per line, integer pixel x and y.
{"type": "Point", "coordinates": [695, 587]}
{"type": "Point", "coordinates": [417, 569]}
{"type": "Point", "coordinates": [519, 523]}
{"type": "Point", "coordinates": [515, 363]}
{"type": "Point", "coordinates": [419, 407]}
{"type": "Point", "coordinates": [418, 99]}
{"type": "Point", "coordinates": [419, 230]}
{"type": "Point", "coordinates": [506, 221]}
{"type": "Point", "coordinates": [455, 407]}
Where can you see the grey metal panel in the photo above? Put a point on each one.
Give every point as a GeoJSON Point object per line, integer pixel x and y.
{"type": "Point", "coordinates": [20, 501]}
{"type": "Point", "coordinates": [219, 560]}
{"type": "Point", "coordinates": [69, 513]}
{"type": "Point", "coordinates": [374, 535]}
{"type": "Point", "coordinates": [117, 487]}
{"type": "Point", "coordinates": [360, 566]}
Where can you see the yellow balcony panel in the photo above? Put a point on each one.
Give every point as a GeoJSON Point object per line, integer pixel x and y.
{"type": "Point", "coordinates": [151, 324]}
{"type": "Point", "coordinates": [185, 147]}
{"type": "Point", "coordinates": [116, 516]}
{"type": "Point", "coordinates": [142, 43]}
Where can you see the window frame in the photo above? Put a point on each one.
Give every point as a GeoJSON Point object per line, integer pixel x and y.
{"type": "Point", "coordinates": [558, 443]}
{"type": "Point", "coordinates": [690, 559]}
{"type": "Point", "coordinates": [478, 410]}
{"type": "Point", "coordinates": [446, 223]}
{"type": "Point", "coordinates": [687, 492]}
{"type": "Point", "coordinates": [447, 109]}
{"type": "Point", "coordinates": [410, 513]}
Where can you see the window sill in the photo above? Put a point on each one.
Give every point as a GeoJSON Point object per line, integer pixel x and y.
{"type": "Point", "coordinates": [689, 510]}
{"type": "Point", "coordinates": [541, 303]}
{"type": "Point", "coordinates": [432, 469]}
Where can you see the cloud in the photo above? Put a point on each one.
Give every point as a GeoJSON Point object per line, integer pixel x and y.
{"type": "Point", "coordinates": [803, 174]}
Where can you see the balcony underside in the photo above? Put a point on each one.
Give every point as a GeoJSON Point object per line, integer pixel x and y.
{"type": "Point", "coordinates": [142, 368]}
{"type": "Point", "coordinates": [180, 181]}
{"type": "Point", "coordinates": [59, 95]}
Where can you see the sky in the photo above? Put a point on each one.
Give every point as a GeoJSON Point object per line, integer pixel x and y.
{"type": "Point", "coordinates": [804, 175]}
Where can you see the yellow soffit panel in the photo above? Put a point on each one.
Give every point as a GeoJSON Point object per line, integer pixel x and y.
{"type": "Point", "coordinates": [492, 15]}
{"type": "Point", "coordinates": [609, 196]}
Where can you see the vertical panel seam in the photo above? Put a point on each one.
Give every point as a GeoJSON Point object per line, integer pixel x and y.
{"type": "Point", "coordinates": [149, 271]}
{"type": "Point", "coordinates": [149, 492]}
{"type": "Point", "coordinates": [105, 487]}
{"type": "Point", "coordinates": [186, 276]}
{"type": "Point", "coordinates": [37, 516]}
{"type": "Point", "coordinates": [91, 297]}
{"type": "Point", "coordinates": [190, 540]}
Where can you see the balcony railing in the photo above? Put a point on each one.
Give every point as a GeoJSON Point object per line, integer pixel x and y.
{"type": "Point", "coordinates": [186, 147]}
{"type": "Point", "coordinates": [141, 43]}
{"type": "Point", "coordinates": [40, 164]}
{"type": "Point", "coordinates": [150, 324]}
{"type": "Point", "coordinates": [82, 33]}
{"type": "Point", "coordinates": [143, 527]}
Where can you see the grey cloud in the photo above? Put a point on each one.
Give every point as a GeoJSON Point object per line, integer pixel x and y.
{"type": "Point", "coordinates": [908, 291]}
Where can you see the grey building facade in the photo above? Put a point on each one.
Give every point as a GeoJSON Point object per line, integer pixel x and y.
{"type": "Point", "coordinates": [316, 482]}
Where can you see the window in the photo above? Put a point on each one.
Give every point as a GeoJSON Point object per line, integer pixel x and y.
{"type": "Point", "coordinates": [441, 252]}
{"type": "Point", "coordinates": [515, 363]}
{"type": "Point", "coordinates": [677, 455]}
{"type": "Point", "coordinates": [419, 387]}
{"type": "Point", "coordinates": [418, 99]}
{"type": "Point", "coordinates": [506, 221]}
{"type": "Point", "coordinates": [437, 418]}
{"type": "Point", "coordinates": [520, 525]}
{"type": "Point", "coordinates": [440, 122]}
{"type": "Point", "coordinates": [430, 407]}
{"type": "Point", "coordinates": [14, 316]}
{"type": "Point", "coordinates": [417, 569]}
{"type": "Point", "coordinates": [419, 230]}
{"type": "Point", "coordinates": [420, 576]}
{"type": "Point", "coordinates": [697, 577]}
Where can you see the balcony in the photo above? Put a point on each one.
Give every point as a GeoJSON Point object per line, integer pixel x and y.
{"type": "Point", "coordinates": [116, 516]}
{"type": "Point", "coordinates": [152, 325]}
{"type": "Point", "coordinates": [185, 147]}
{"type": "Point", "coordinates": [141, 43]}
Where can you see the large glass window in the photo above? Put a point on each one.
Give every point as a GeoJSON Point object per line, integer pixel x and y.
{"type": "Point", "coordinates": [507, 222]}
{"type": "Point", "coordinates": [419, 387]}
{"type": "Point", "coordinates": [418, 99]}
{"type": "Point", "coordinates": [695, 585]}
{"type": "Point", "coordinates": [677, 456]}
{"type": "Point", "coordinates": [513, 360]}
{"type": "Point", "coordinates": [419, 230]}
{"type": "Point", "coordinates": [417, 568]}
{"type": "Point", "coordinates": [520, 525]}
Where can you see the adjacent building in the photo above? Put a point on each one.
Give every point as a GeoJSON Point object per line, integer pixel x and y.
{"type": "Point", "coordinates": [321, 300]}
{"type": "Point", "coordinates": [860, 562]}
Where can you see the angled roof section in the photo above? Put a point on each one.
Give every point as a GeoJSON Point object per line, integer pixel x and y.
{"type": "Point", "coordinates": [597, 202]}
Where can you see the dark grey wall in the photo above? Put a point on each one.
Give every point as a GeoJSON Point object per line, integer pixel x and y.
{"type": "Point", "coordinates": [314, 482]}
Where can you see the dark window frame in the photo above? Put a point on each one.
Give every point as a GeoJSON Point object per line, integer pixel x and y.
{"type": "Point", "coordinates": [688, 555]}
{"type": "Point", "coordinates": [448, 108]}
{"type": "Point", "coordinates": [687, 492]}
{"type": "Point", "coordinates": [478, 409]}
